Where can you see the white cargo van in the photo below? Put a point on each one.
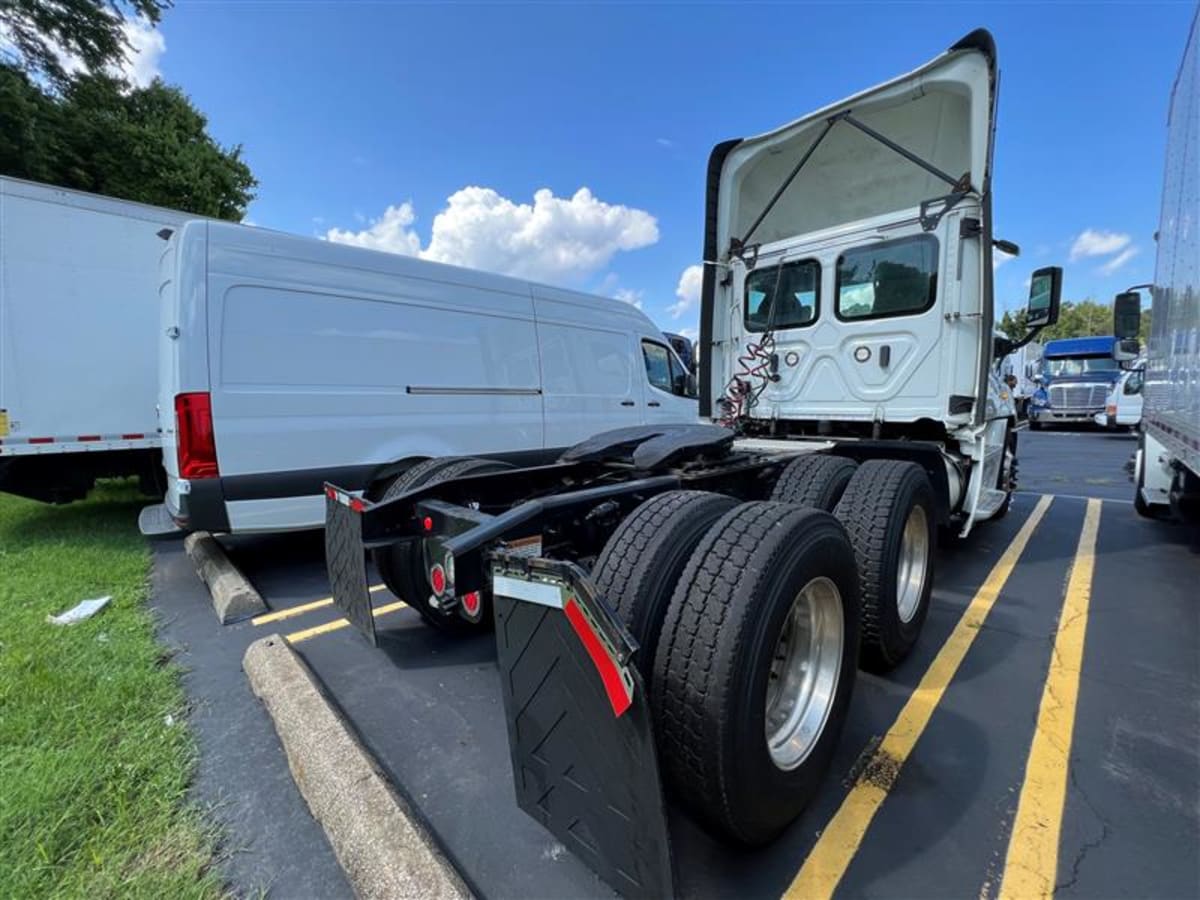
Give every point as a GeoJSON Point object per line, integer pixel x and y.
{"type": "Point", "coordinates": [287, 361]}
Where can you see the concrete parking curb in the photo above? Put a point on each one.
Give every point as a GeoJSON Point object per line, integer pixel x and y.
{"type": "Point", "coordinates": [234, 598]}
{"type": "Point", "coordinates": [382, 847]}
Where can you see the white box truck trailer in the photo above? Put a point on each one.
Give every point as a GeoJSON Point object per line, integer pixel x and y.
{"type": "Point", "coordinates": [286, 362]}
{"type": "Point", "coordinates": [1167, 462]}
{"type": "Point", "coordinates": [710, 590]}
{"type": "Point", "coordinates": [78, 319]}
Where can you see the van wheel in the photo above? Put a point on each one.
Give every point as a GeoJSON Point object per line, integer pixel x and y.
{"type": "Point", "coordinates": [755, 666]}
{"type": "Point", "coordinates": [402, 565]}
{"type": "Point", "coordinates": [642, 561]}
{"type": "Point", "coordinates": [888, 510]}
{"type": "Point", "coordinates": [817, 480]}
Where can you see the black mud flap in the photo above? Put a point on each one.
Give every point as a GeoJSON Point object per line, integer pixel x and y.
{"type": "Point", "coordinates": [579, 726]}
{"type": "Point", "coordinates": [346, 561]}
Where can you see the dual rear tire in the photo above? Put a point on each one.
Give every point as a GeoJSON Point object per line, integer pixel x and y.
{"type": "Point", "coordinates": [403, 567]}
{"type": "Point", "coordinates": [753, 618]}
{"type": "Point", "coordinates": [747, 619]}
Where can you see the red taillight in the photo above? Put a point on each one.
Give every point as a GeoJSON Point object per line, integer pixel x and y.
{"type": "Point", "coordinates": [437, 579]}
{"type": "Point", "coordinates": [194, 434]}
{"type": "Point", "coordinates": [427, 523]}
{"type": "Point", "coordinates": [471, 603]}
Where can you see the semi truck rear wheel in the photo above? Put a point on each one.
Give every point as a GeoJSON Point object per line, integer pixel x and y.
{"type": "Point", "coordinates": [755, 666]}
{"type": "Point", "coordinates": [888, 510]}
{"type": "Point", "coordinates": [817, 480]}
{"type": "Point", "coordinates": [402, 565]}
{"type": "Point", "coordinates": [644, 557]}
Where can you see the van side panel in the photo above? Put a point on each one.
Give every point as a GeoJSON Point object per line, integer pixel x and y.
{"type": "Point", "coordinates": [319, 368]}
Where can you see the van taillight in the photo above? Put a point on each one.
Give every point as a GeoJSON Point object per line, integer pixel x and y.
{"type": "Point", "coordinates": [194, 436]}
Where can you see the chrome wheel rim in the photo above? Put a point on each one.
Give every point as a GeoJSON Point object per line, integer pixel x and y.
{"type": "Point", "coordinates": [913, 564]}
{"type": "Point", "coordinates": [804, 673]}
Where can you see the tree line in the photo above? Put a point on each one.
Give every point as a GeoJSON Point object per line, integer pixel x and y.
{"type": "Point", "coordinates": [84, 126]}
{"type": "Point", "coordinates": [1083, 318]}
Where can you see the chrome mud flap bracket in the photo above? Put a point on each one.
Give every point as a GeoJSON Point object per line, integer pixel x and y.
{"type": "Point", "coordinates": [579, 730]}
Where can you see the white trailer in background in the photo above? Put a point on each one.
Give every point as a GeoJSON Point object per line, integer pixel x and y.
{"type": "Point", "coordinates": [78, 318]}
{"type": "Point", "coordinates": [1167, 462]}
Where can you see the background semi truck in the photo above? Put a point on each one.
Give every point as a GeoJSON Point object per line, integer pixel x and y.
{"type": "Point", "coordinates": [78, 320]}
{"type": "Point", "coordinates": [1167, 461]}
{"type": "Point", "coordinates": [686, 606]}
{"type": "Point", "coordinates": [1075, 379]}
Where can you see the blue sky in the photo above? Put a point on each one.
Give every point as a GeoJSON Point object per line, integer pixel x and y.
{"type": "Point", "coordinates": [347, 109]}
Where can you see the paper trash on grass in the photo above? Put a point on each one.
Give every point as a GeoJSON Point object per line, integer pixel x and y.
{"type": "Point", "coordinates": [84, 609]}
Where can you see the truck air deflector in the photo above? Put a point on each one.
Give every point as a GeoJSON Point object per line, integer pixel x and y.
{"type": "Point", "coordinates": [584, 770]}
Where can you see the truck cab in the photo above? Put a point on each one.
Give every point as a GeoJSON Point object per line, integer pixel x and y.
{"type": "Point", "coordinates": [847, 292]}
{"type": "Point", "coordinates": [1077, 376]}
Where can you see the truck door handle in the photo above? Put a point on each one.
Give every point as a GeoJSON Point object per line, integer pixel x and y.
{"type": "Point", "coordinates": [627, 403]}
{"type": "Point", "coordinates": [885, 356]}
{"type": "Point", "coordinates": [654, 403]}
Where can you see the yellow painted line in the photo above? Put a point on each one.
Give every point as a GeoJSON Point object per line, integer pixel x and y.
{"type": "Point", "coordinates": [1031, 868]}
{"type": "Point", "coordinates": [338, 624]}
{"type": "Point", "coordinates": [834, 850]}
{"type": "Point", "coordinates": [293, 611]}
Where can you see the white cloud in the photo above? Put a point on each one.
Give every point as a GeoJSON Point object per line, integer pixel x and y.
{"type": "Point", "coordinates": [688, 291]}
{"type": "Point", "coordinates": [632, 297]}
{"type": "Point", "coordinates": [1118, 261]}
{"type": "Point", "coordinates": [555, 239]}
{"type": "Point", "coordinates": [690, 333]}
{"type": "Point", "coordinates": [146, 47]}
{"type": "Point", "coordinates": [1098, 243]}
{"type": "Point", "coordinates": [664, 142]}
{"type": "Point", "coordinates": [389, 232]}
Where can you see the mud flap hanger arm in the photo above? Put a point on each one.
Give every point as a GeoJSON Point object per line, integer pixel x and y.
{"type": "Point", "coordinates": [931, 210]}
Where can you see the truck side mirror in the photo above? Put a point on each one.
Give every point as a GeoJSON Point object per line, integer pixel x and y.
{"type": "Point", "coordinates": [1045, 295]}
{"type": "Point", "coordinates": [1127, 316]}
{"type": "Point", "coordinates": [692, 388]}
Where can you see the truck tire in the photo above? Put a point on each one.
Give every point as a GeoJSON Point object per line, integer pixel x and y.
{"type": "Point", "coordinates": [1006, 478]}
{"type": "Point", "coordinates": [889, 513]}
{"type": "Point", "coordinates": [402, 565]}
{"type": "Point", "coordinates": [816, 480]}
{"type": "Point", "coordinates": [1146, 510]}
{"type": "Point", "coordinates": [642, 561]}
{"type": "Point", "coordinates": [746, 711]}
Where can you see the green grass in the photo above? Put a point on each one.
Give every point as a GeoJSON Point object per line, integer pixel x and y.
{"type": "Point", "coordinates": [93, 779]}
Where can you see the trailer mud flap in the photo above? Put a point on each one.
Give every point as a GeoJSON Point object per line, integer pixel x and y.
{"type": "Point", "coordinates": [346, 562]}
{"type": "Point", "coordinates": [579, 729]}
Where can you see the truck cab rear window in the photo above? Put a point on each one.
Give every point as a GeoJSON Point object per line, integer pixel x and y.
{"type": "Point", "coordinates": [894, 278]}
{"type": "Point", "coordinates": [784, 296]}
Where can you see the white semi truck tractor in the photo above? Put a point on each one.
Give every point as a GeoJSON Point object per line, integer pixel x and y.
{"type": "Point", "coordinates": [682, 609]}
{"type": "Point", "coordinates": [1166, 466]}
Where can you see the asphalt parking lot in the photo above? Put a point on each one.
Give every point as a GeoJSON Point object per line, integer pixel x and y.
{"type": "Point", "coordinates": [961, 744]}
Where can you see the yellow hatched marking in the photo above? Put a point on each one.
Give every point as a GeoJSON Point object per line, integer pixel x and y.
{"type": "Point", "coordinates": [293, 611]}
{"type": "Point", "coordinates": [1031, 868]}
{"type": "Point", "coordinates": [338, 624]}
{"type": "Point", "coordinates": [834, 850]}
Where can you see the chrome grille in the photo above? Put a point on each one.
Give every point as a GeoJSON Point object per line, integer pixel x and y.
{"type": "Point", "coordinates": [1078, 396]}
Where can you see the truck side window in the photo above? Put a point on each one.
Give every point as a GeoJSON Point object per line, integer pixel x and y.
{"type": "Point", "coordinates": [893, 278]}
{"type": "Point", "coordinates": [1133, 384]}
{"type": "Point", "coordinates": [783, 297]}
